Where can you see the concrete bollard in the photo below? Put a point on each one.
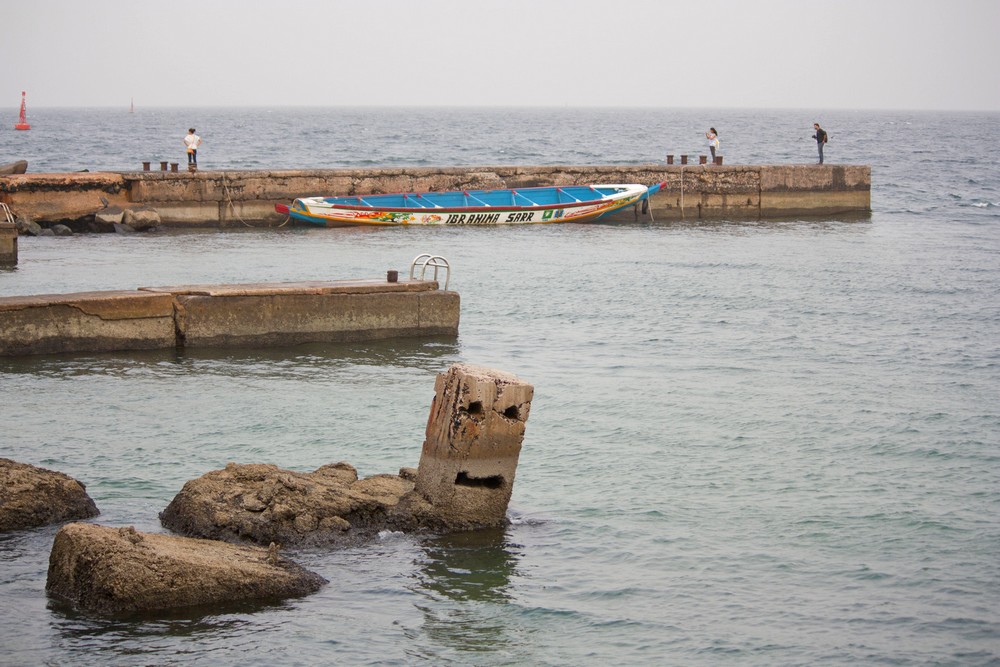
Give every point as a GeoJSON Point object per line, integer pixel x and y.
{"type": "Point", "coordinates": [684, 159]}
{"type": "Point", "coordinates": [8, 243]}
{"type": "Point", "coordinates": [145, 166]}
{"type": "Point", "coordinates": [473, 441]}
{"type": "Point", "coordinates": [670, 159]}
{"type": "Point", "coordinates": [163, 166]}
{"type": "Point", "coordinates": [718, 159]}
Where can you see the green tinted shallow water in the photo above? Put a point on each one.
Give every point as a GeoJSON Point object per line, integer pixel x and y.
{"type": "Point", "coordinates": [751, 443]}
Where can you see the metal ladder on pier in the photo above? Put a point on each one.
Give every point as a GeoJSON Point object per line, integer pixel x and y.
{"type": "Point", "coordinates": [435, 262]}
{"type": "Point", "coordinates": [8, 215]}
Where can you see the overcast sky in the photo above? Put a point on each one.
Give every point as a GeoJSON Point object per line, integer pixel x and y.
{"type": "Point", "coordinates": [835, 54]}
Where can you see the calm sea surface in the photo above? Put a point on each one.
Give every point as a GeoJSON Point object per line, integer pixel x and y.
{"type": "Point", "coordinates": [752, 443]}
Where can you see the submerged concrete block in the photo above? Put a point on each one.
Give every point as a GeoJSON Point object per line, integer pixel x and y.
{"type": "Point", "coordinates": [473, 442]}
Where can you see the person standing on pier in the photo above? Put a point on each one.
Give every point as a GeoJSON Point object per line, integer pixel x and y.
{"type": "Point", "coordinates": [820, 138]}
{"type": "Point", "coordinates": [713, 141]}
{"type": "Point", "coordinates": [191, 142]}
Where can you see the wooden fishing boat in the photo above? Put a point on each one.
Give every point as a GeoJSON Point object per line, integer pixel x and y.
{"type": "Point", "coordinates": [520, 206]}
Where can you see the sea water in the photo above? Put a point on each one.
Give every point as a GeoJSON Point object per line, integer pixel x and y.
{"type": "Point", "coordinates": [751, 443]}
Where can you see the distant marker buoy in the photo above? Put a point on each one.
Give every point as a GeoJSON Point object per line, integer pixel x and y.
{"type": "Point", "coordinates": [22, 124]}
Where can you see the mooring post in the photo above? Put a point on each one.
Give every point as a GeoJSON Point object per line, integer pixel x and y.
{"type": "Point", "coordinates": [702, 159]}
{"type": "Point", "coordinates": [145, 166]}
{"type": "Point", "coordinates": [473, 441]}
{"type": "Point", "coordinates": [718, 159]}
{"type": "Point", "coordinates": [684, 159]}
{"type": "Point", "coordinates": [670, 159]}
{"type": "Point", "coordinates": [163, 166]}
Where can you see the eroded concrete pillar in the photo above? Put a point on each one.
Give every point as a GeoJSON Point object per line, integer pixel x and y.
{"type": "Point", "coordinates": [473, 441]}
{"type": "Point", "coordinates": [8, 244]}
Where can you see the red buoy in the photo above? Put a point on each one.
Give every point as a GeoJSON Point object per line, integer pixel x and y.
{"type": "Point", "coordinates": [22, 124]}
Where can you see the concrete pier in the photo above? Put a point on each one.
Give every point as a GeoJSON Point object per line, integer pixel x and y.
{"type": "Point", "coordinates": [234, 198]}
{"type": "Point", "coordinates": [86, 322]}
{"type": "Point", "coordinates": [191, 316]}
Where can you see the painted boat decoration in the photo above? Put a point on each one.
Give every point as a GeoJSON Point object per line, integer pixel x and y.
{"type": "Point", "coordinates": [520, 206]}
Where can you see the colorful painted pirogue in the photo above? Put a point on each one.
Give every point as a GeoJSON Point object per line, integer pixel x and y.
{"type": "Point", "coordinates": [521, 206]}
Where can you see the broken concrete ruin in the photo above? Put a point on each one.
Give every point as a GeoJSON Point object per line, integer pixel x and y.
{"type": "Point", "coordinates": [464, 480]}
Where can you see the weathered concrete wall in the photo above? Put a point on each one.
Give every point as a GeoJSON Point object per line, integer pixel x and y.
{"type": "Point", "coordinates": [227, 198]}
{"type": "Point", "coordinates": [712, 191]}
{"type": "Point", "coordinates": [224, 315]}
{"type": "Point", "coordinates": [86, 322]}
{"type": "Point", "coordinates": [8, 243]}
{"type": "Point", "coordinates": [63, 197]}
{"type": "Point", "coordinates": [472, 445]}
{"type": "Point", "coordinates": [798, 190]}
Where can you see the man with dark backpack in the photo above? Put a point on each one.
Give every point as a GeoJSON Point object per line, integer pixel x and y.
{"type": "Point", "coordinates": [820, 138]}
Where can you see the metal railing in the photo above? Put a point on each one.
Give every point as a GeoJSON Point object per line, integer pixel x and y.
{"type": "Point", "coordinates": [7, 213]}
{"type": "Point", "coordinates": [435, 262]}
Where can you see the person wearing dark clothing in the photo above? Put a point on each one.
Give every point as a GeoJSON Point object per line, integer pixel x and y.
{"type": "Point", "coordinates": [820, 138]}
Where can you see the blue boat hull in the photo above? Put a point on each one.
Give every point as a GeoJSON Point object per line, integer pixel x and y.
{"type": "Point", "coordinates": [544, 205]}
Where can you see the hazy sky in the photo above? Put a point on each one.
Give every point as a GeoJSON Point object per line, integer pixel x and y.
{"type": "Point", "coordinates": [854, 54]}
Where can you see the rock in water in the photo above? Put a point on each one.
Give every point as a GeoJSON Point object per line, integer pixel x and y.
{"type": "Point", "coordinates": [32, 497]}
{"type": "Point", "coordinates": [141, 218]}
{"type": "Point", "coordinates": [115, 571]}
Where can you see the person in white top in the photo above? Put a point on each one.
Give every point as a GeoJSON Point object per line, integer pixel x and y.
{"type": "Point", "coordinates": [191, 142]}
{"type": "Point", "coordinates": [713, 141]}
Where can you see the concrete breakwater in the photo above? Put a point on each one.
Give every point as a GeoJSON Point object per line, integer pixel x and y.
{"type": "Point", "coordinates": [233, 198]}
{"type": "Point", "coordinates": [225, 315]}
